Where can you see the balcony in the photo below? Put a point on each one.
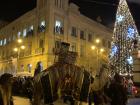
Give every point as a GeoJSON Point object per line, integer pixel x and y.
{"type": "Point", "coordinates": [39, 51]}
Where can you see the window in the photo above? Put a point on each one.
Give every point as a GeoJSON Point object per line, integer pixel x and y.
{"type": "Point", "coordinates": [82, 50]}
{"type": "Point", "coordinates": [82, 35]}
{"type": "Point", "coordinates": [73, 47]}
{"type": "Point", "coordinates": [59, 3]}
{"type": "Point", "coordinates": [41, 43]}
{"type": "Point", "coordinates": [56, 3]}
{"type": "Point", "coordinates": [9, 40]}
{"type": "Point", "coordinates": [0, 42]}
{"type": "Point", "coordinates": [5, 41]}
{"type": "Point", "coordinates": [73, 31]}
{"type": "Point", "coordinates": [30, 30]}
{"type": "Point", "coordinates": [14, 37]}
{"type": "Point", "coordinates": [40, 4]}
{"type": "Point", "coordinates": [19, 34]}
{"type": "Point", "coordinates": [29, 67]}
{"type": "Point", "coordinates": [90, 37]}
{"type": "Point", "coordinates": [57, 44]}
{"type": "Point", "coordinates": [43, 23]}
{"type": "Point", "coordinates": [59, 27]}
{"type": "Point", "coordinates": [31, 27]}
{"type": "Point", "coordinates": [42, 26]}
{"type": "Point", "coordinates": [29, 49]}
{"type": "Point", "coordinates": [24, 33]}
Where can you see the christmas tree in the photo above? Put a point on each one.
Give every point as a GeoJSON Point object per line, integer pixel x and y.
{"type": "Point", "coordinates": [124, 41]}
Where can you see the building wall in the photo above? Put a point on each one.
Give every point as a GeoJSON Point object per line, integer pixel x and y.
{"type": "Point", "coordinates": [136, 57]}
{"type": "Point", "coordinates": [40, 45]}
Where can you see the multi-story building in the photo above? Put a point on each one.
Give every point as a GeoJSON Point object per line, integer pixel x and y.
{"type": "Point", "coordinates": [136, 58]}
{"type": "Point", "coordinates": [43, 28]}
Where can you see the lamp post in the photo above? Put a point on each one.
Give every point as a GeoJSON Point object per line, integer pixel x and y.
{"type": "Point", "coordinates": [98, 52]}
{"type": "Point", "coordinates": [18, 49]}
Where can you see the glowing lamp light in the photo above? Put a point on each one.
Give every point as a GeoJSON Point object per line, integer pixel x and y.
{"type": "Point", "coordinates": [130, 60]}
{"type": "Point", "coordinates": [15, 49]}
{"type": "Point", "coordinates": [120, 18]}
{"type": "Point", "coordinates": [93, 47]}
{"type": "Point", "coordinates": [23, 47]}
{"type": "Point", "coordinates": [19, 40]}
{"type": "Point", "coordinates": [97, 40]}
{"type": "Point", "coordinates": [101, 50]}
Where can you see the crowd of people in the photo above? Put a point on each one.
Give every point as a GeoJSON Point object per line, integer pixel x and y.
{"type": "Point", "coordinates": [115, 92]}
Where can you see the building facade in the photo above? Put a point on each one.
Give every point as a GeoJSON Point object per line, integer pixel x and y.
{"type": "Point", "coordinates": [43, 28]}
{"type": "Point", "coordinates": [136, 59]}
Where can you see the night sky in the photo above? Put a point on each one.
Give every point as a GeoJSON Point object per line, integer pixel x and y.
{"type": "Point", "coordinates": [12, 9]}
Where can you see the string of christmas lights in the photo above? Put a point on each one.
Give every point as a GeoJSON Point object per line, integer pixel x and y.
{"type": "Point", "coordinates": [124, 41]}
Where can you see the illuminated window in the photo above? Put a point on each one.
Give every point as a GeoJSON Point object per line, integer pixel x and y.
{"type": "Point", "coordinates": [19, 34]}
{"type": "Point", "coordinates": [58, 23]}
{"type": "Point", "coordinates": [59, 27]}
{"type": "Point", "coordinates": [42, 26]}
{"type": "Point", "coordinates": [0, 42]}
{"type": "Point", "coordinates": [24, 33]}
{"type": "Point", "coordinates": [30, 30]}
{"type": "Point", "coordinates": [29, 67]}
{"type": "Point", "coordinates": [5, 41]}
{"type": "Point", "coordinates": [31, 27]}
{"type": "Point", "coordinates": [43, 23]}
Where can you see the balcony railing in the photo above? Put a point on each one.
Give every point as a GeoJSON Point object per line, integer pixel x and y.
{"type": "Point", "coordinates": [39, 51]}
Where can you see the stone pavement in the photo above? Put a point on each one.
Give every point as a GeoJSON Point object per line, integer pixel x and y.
{"type": "Point", "coordinates": [20, 101]}
{"type": "Point", "coordinates": [134, 101]}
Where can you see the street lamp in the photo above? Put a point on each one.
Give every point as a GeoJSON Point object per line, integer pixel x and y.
{"type": "Point", "coordinates": [98, 52]}
{"type": "Point", "coordinates": [101, 50]}
{"type": "Point", "coordinates": [97, 41]}
{"type": "Point", "coordinates": [18, 49]}
{"type": "Point", "coordinates": [19, 40]}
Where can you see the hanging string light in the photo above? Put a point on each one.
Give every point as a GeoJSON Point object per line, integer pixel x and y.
{"type": "Point", "coordinates": [124, 36]}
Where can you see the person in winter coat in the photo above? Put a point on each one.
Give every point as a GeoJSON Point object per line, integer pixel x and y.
{"type": "Point", "coordinates": [38, 68]}
{"type": "Point", "coordinates": [117, 92]}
